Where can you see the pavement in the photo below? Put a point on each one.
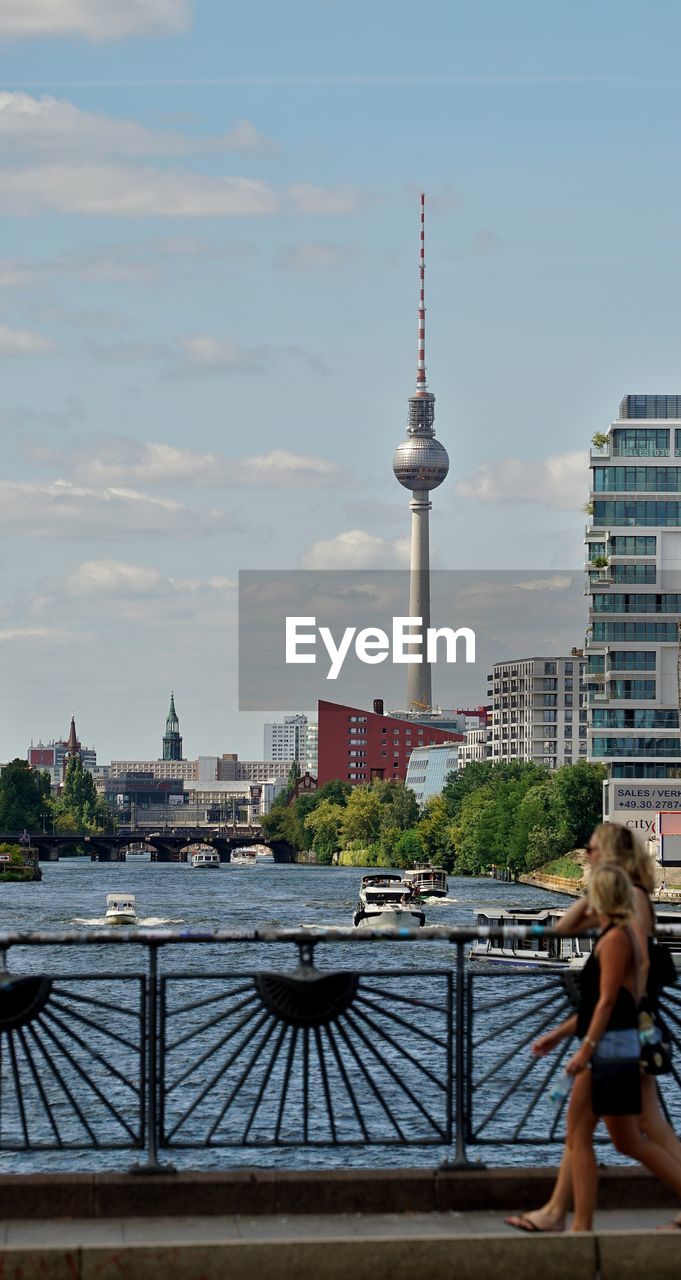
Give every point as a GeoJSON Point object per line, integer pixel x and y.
{"type": "Point", "coordinates": [454, 1245]}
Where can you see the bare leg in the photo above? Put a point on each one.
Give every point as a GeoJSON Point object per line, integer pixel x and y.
{"type": "Point", "coordinates": [581, 1125]}
{"type": "Point", "coordinates": [628, 1139]}
{"type": "Point", "coordinates": [551, 1216]}
{"type": "Point", "coordinates": [652, 1120]}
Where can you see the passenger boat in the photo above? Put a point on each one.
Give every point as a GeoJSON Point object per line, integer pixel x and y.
{"type": "Point", "coordinates": [532, 952]}
{"type": "Point", "coordinates": [203, 856]}
{"type": "Point", "coordinates": [387, 902]}
{"type": "Point", "coordinates": [120, 908]}
{"type": "Point", "coordinates": [431, 882]}
{"type": "Point", "coordinates": [263, 855]}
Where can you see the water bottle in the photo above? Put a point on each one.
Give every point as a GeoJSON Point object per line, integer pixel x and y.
{"type": "Point", "coordinates": [650, 1034]}
{"type": "Point", "coordinates": [559, 1089]}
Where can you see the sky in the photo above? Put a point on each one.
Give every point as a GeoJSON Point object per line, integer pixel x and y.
{"type": "Point", "coordinates": [208, 283]}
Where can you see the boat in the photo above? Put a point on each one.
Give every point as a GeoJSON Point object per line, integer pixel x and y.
{"type": "Point", "coordinates": [243, 857]}
{"type": "Point", "coordinates": [670, 919]}
{"type": "Point", "coordinates": [430, 881]}
{"type": "Point", "coordinates": [534, 952]}
{"type": "Point", "coordinates": [263, 855]}
{"type": "Point", "coordinates": [387, 902]}
{"type": "Point", "coordinates": [120, 908]}
{"type": "Point", "coordinates": [203, 856]}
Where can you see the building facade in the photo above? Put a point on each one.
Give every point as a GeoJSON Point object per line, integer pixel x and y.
{"type": "Point", "coordinates": [429, 768]}
{"type": "Point", "coordinates": [286, 739]}
{"type": "Point", "coordinates": [358, 746]}
{"type": "Point", "coordinates": [539, 710]}
{"type": "Point", "coordinates": [633, 565]}
{"type": "Point", "coordinates": [312, 748]}
{"type": "Point", "coordinates": [53, 756]}
{"type": "Point", "coordinates": [476, 746]}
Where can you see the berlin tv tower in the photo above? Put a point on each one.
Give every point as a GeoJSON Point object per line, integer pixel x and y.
{"type": "Point", "coordinates": [420, 464]}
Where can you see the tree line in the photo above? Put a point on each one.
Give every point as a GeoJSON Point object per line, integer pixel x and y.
{"type": "Point", "coordinates": [516, 815]}
{"type": "Point", "coordinates": [27, 803]}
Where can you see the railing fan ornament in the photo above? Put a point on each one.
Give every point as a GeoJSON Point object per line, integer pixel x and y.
{"type": "Point", "coordinates": [22, 999]}
{"type": "Point", "coordinates": [305, 997]}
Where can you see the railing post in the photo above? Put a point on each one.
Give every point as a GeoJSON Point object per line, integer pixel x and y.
{"type": "Point", "coordinates": [152, 1163]}
{"type": "Point", "coordinates": [460, 1160]}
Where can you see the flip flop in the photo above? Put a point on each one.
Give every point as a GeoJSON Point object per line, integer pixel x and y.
{"type": "Point", "coordinates": [522, 1223]}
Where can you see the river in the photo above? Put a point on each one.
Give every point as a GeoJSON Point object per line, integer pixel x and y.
{"type": "Point", "coordinates": [73, 894]}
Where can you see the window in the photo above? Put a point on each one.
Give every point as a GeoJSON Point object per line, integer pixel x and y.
{"type": "Point", "coordinates": [632, 689]}
{"type": "Point", "coordinates": [643, 573]}
{"type": "Point", "coordinates": [568, 668]}
{"type": "Point", "coordinates": [568, 684]}
{"type": "Point", "coordinates": [549, 668]}
{"type": "Point", "coordinates": [636, 747]}
{"type": "Point", "coordinates": [639, 442]}
{"type": "Point", "coordinates": [634, 718]}
{"type": "Point", "coordinates": [631, 545]}
{"type": "Point", "coordinates": [632, 511]}
{"type": "Point", "coordinates": [662, 602]}
{"type": "Point", "coordinates": [632, 660]}
{"type": "Point", "coordinates": [568, 700]}
{"type": "Point", "coordinates": [644, 406]}
{"type": "Point", "coordinates": [636, 479]}
{"type": "Point", "coordinates": [660, 632]}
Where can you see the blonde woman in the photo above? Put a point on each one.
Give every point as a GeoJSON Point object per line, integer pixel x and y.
{"type": "Point", "coordinates": [607, 1023]}
{"type": "Point", "coordinates": [610, 842]}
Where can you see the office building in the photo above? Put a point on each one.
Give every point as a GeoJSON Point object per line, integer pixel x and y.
{"type": "Point", "coordinates": [286, 739]}
{"type": "Point", "coordinates": [53, 756]}
{"type": "Point", "coordinates": [312, 748]}
{"type": "Point", "coordinates": [539, 710]}
{"type": "Point", "coordinates": [358, 746]}
{"type": "Point", "coordinates": [429, 767]}
{"type": "Point", "coordinates": [476, 746]}
{"type": "Point", "coordinates": [634, 586]}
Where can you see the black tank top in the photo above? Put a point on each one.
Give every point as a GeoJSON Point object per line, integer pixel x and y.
{"type": "Point", "coordinates": [624, 1013]}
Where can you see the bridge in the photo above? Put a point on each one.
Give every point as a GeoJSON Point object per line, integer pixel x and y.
{"type": "Point", "coordinates": [163, 846]}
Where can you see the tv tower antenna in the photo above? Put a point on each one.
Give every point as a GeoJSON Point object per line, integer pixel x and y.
{"type": "Point", "coordinates": [420, 464]}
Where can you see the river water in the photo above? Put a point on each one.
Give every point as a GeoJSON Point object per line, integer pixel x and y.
{"type": "Point", "coordinates": [73, 894]}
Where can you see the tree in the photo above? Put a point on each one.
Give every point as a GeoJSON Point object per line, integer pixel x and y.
{"type": "Point", "coordinates": [577, 802]}
{"type": "Point", "coordinates": [79, 796]}
{"type": "Point", "coordinates": [435, 832]}
{"type": "Point", "coordinates": [408, 848]}
{"type": "Point", "coordinates": [362, 816]}
{"type": "Point", "coordinates": [325, 824]}
{"type": "Point", "coordinates": [293, 778]}
{"type": "Point", "coordinates": [24, 796]}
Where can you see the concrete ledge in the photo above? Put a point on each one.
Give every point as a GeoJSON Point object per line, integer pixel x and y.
{"type": "Point", "coordinates": [472, 1258]}
{"type": "Point", "coordinates": [266, 1191]}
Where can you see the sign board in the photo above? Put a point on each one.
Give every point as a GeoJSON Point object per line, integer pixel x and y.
{"type": "Point", "coordinates": [642, 796]}
{"type": "Point", "coordinates": [669, 825]}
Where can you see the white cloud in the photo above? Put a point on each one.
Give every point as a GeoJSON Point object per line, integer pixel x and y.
{"type": "Point", "coordinates": [111, 578]}
{"type": "Point", "coordinates": [307, 198]}
{"type": "Point", "coordinates": [94, 19]}
{"type": "Point", "coordinates": [204, 353]}
{"type": "Point", "coordinates": [60, 509]}
{"type": "Point", "coordinates": [114, 460]}
{"type": "Point", "coordinates": [49, 635]}
{"type": "Point", "coordinates": [128, 191]}
{"type": "Point", "coordinates": [58, 128]}
{"type": "Point", "coordinates": [356, 549]}
{"type": "Point", "coordinates": [23, 342]}
{"type": "Point", "coordinates": [23, 418]}
{"type": "Point", "coordinates": [311, 257]}
{"type": "Point", "coordinates": [560, 480]}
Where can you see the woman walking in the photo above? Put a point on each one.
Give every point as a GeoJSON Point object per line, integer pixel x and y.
{"type": "Point", "coordinates": [611, 842]}
{"type": "Point", "coordinates": [607, 1078]}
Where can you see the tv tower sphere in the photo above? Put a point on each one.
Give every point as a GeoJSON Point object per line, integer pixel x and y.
{"type": "Point", "coordinates": [420, 464]}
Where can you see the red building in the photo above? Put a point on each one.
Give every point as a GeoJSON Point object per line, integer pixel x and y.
{"type": "Point", "coordinates": [357, 746]}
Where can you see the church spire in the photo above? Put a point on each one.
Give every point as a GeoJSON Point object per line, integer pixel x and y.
{"type": "Point", "coordinates": [172, 739]}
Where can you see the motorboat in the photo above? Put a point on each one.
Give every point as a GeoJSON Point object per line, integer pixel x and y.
{"type": "Point", "coordinates": [386, 901]}
{"type": "Point", "coordinates": [204, 856]}
{"type": "Point", "coordinates": [532, 952]}
{"type": "Point", "coordinates": [263, 855]}
{"type": "Point", "coordinates": [243, 857]}
{"type": "Point", "coordinates": [430, 881]}
{"type": "Point", "coordinates": [120, 908]}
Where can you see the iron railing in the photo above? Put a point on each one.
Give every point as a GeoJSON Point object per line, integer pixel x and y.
{"type": "Point", "coordinates": [234, 1048]}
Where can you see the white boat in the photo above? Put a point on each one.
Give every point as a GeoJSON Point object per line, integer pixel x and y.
{"type": "Point", "coordinates": [120, 908]}
{"type": "Point", "coordinates": [263, 855]}
{"type": "Point", "coordinates": [532, 952]}
{"type": "Point", "coordinates": [243, 857]}
{"type": "Point", "coordinates": [386, 901]}
{"type": "Point", "coordinates": [430, 881]}
{"type": "Point", "coordinates": [203, 856]}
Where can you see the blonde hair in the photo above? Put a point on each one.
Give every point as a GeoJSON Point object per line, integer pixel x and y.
{"type": "Point", "coordinates": [622, 846]}
{"type": "Point", "coordinates": [611, 893]}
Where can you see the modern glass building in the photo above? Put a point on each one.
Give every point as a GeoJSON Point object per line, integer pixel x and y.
{"type": "Point", "coordinates": [634, 586]}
